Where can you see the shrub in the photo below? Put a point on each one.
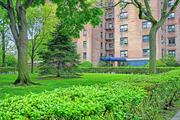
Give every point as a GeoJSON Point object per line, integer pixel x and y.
{"type": "Point", "coordinates": [122, 70]}
{"type": "Point", "coordinates": [7, 70]}
{"type": "Point", "coordinates": [169, 61]}
{"type": "Point", "coordinates": [11, 61]}
{"type": "Point", "coordinates": [132, 99]}
{"type": "Point", "coordinates": [86, 64]}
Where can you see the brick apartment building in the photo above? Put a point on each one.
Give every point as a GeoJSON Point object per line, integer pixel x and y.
{"type": "Point", "coordinates": [123, 34]}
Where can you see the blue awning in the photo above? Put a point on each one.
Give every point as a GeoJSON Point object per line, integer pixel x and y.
{"type": "Point", "coordinates": [120, 59]}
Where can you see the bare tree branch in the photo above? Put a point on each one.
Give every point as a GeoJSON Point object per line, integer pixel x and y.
{"type": "Point", "coordinates": [173, 7]}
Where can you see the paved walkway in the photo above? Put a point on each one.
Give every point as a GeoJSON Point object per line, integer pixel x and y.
{"type": "Point", "coordinates": [177, 116]}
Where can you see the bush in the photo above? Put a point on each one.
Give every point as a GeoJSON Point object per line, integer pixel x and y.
{"type": "Point", "coordinates": [131, 99]}
{"type": "Point", "coordinates": [86, 64]}
{"type": "Point", "coordinates": [11, 61]}
{"type": "Point", "coordinates": [123, 70]}
{"type": "Point", "coordinates": [7, 70]}
{"type": "Point", "coordinates": [170, 61]}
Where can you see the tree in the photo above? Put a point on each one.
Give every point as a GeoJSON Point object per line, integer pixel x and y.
{"type": "Point", "coordinates": [61, 55]}
{"type": "Point", "coordinates": [16, 11]}
{"type": "Point", "coordinates": [145, 13]}
{"type": "Point", "coordinates": [41, 22]}
{"type": "Point", "coordinates": [3, 29]}
{"type": "Point", "coordinates": [73, 13]}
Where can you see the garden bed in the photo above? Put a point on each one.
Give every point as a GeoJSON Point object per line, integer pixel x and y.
{"type": "Point", "coordinates": [134, 98]}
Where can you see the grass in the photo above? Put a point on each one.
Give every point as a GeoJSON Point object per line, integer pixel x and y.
{"type": "Point", "coordinates": [8, 89]}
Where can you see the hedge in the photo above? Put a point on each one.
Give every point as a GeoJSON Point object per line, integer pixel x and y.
{"type": "Point", "coordinates": [7, 70]}
{"type": "Point", "coordinates": [131, 99]}
{"type": "Point", "coordinates": [123, 70]}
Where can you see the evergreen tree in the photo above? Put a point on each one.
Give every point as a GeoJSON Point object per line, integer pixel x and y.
{"type": "Point", "coordinates": [61, 57]}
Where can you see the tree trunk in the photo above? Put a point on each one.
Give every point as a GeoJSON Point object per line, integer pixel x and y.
{"type": "Point", "coordinates": [23, 75]}
{"type": "Point", "coordinates": [32, 59]}
{"type": "Point", "coordinates": [22, 47]}
{"type": "Point", "coordinates": [32, 65]}
{"type": "Point", "coordinates": [3, 49]}
{"type": "Point", "coordinates": [152, 44]}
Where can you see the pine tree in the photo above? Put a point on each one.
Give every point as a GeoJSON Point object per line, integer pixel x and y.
{"type": "Point", "coordinates": [61, 57]}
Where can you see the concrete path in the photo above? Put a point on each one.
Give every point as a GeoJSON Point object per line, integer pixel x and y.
{"type": "Point", "coordinates": [177, 116]}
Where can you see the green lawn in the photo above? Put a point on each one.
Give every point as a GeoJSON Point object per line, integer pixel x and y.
{"type": "Point", "coordinates": [6, 87]}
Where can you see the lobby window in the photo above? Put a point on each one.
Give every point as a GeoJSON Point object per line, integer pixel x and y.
{"type": "Point", "coordinates": [146, 52]}
{"type": "Point", "coordinates": [124, 53]}
{"type": "Point", "coordinates": [171, 16]}
{"type": "Point", "coordinates": [171, 28]}
{"type": "Point", "coordinates": [171, 41]}
{"type": "Point", "coordinates": [85, 44]}
{"type": "Point", "coordinates": [145, 38]}
{"type": "Point", "coordinates": [124, 41]}
{"type": "Point", "coordinates": [124, 28]}
{"type": "Point", "coordinates": [170, 3]}
{"type": "Point", "coordinates": [172, 53]}
{"type": "Point", "coordinates": [123, 15]}
{"type": "Point", "coordinates": [101, 54]}
{"type": "Point", "coordinates": [84, 55]}
{"type": "Point", "coordinates": [146, 24]}
{"type": "Point", "coordinates": [84, 32]}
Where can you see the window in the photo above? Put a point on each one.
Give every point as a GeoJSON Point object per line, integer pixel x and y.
{"type": "Point", "coordinates": [101, 54]}
{"type": "Point", "coordinates": [111, 55]}
{"type": "Point", "coordinates": [123, 15]}
{"type": "Point", "coordinates": [146, 52]}
{"type": "Point", "coordinates": [84, 32]}
{"type": "Point", "coordinates": [109, 26]}
{"type": "Point", "coordinates": [101, 45]}
{"type": "Point", "coordinates": [171, 28]}
{"type": "Point", "coordinates": [172, 53]}
{"type": "Point", "coordinates": [170, 3]}
{"type": "Point", "coordinates": [101, 35]}
{"type": "Point", "coordinates": [110, 4]}
{"type": "Point", "coordinates": [124, 53]}
{"type": "Point", "coordinates": [124, 40]}
{"type": "Point", "coordinates": [109, 15]}
{"type": "Point", "coordinates": [85, 44]}
{"type": "Point", "coordinates": [145, 38]}
{"type": "Point", "coordinates": [146, 24]}
{"type": "Point", "coordinates": [111, 35]}
{"type": "Point", "coordinates": [171, 41]}
{"type": "Point", "coordinates": [84, 55]}
{"type": "Point", "coordinates": [171, 16]}
{"type": "Point", "coordinates": [124, 28]}
{"type": "Point", "coordinates": [111, 46]}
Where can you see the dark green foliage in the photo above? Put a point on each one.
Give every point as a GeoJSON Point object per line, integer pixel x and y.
{"type": "Point", "coordinates": [7, 70]}
{"type": "Point", "coordinates": [61, 57]}
{"type": "Point", "coordinates": [122, 70]}
{"type": "Point", "coordinates": [132, 99]}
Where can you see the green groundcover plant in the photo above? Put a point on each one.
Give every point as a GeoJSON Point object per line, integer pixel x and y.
{"type": "Point", "coordinates": [131, 99]}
